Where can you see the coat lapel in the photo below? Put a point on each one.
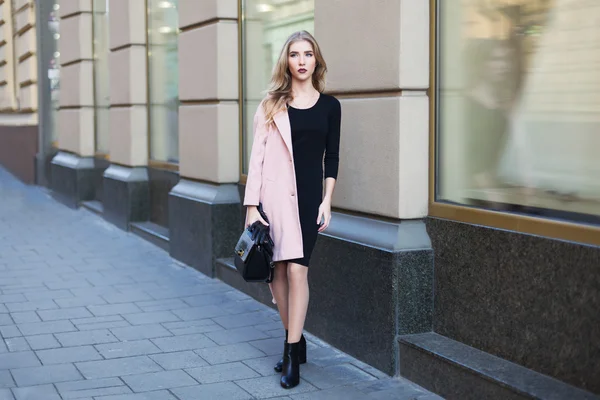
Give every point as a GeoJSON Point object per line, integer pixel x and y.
{"type": "Point", "coordinates": [282, 121]}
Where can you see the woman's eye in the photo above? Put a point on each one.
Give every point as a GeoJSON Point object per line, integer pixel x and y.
{"type": "Point", "coordinates": [309, 55]}
{"type": "Point", "coordinates": [293, 55]}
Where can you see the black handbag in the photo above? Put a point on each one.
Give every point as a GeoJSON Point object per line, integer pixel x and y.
{"type": "Point", "coordinates": [254, 252]}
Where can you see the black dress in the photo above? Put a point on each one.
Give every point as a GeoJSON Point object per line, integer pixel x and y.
{"type": "Point", "coordinates": [315, 133]}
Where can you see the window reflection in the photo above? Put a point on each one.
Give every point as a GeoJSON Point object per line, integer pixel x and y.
{"type": "Point", "coordinates": [54, 71]}
{"type": "Point", "coordinates": [266, 26]}
{"type": "Point", "coordinates": [518, 106]}
{"type": "Point", "coordinates": [101, 75]}
{"type": "Point", "coordinates": [163, 79]}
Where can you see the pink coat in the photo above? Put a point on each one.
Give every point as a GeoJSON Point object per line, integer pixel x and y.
{"type": "Point", "coordinates": [272, 181]}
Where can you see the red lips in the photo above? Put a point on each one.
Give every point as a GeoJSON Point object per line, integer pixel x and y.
{"type": "Point", "coordinates": [302, 70]}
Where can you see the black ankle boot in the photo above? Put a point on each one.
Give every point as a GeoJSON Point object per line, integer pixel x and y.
{"type": "Point", "coordinates": [301, 357]}
{"type": "Point", "coordinates": [290, 375]}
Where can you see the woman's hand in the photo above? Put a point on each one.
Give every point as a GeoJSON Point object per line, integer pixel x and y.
{"type": "Point", "coordinates": [252, 215]}
{"type": "Point", "coordinates": [324, 215]}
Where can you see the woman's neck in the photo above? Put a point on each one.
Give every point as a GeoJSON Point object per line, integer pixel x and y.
{"type": "Point", "coordinates": [302, 88]}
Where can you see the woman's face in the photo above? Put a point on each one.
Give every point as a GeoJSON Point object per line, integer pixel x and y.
{"type": "Point", "coordinates": [301, 60]}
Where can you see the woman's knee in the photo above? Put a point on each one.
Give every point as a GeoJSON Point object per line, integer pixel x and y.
{"type": "Point", "coordinates": [297, 273]}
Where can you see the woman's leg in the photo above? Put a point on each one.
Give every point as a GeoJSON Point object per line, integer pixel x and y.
{"type": "Point", "coordinates": [280, 290]}
{"type": "Point", "coordinates": [297, 301]}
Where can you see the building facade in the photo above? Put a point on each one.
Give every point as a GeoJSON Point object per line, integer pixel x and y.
{"type": "Point", "coordinates": [464, 250]}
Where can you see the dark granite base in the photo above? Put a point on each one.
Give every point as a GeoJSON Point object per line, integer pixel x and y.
{"type": "Point", "coordinates": [161, 183]}
{"type": "Point", "coordinates": [101, 165]}
{"type": "Point", "coordinates": [74, 178]}
{"type": "Point", "coordinates": [527, 299]}
{"type": "Point", "coordinates": [203, 221]}
{"type": "Point", "coordinates": [18, 149]}
{"type": "Point", "coordinates": [43, 167]}
{"type": "Point", "coordinates": [457, 371]}
{"type": "Point", "coordinates": [126, 195]}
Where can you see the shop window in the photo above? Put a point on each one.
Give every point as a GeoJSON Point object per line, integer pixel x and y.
{"type": "Point", "coordinates": [101, 75]}
{"type": "Point", "coordinates": [163, 80]}
{"type": "Point", "coordinates": [518, 107]}
{"type": "Point", "coordinates": [266, 24]}
{"type": "Point", "coordinates": [53, 70]}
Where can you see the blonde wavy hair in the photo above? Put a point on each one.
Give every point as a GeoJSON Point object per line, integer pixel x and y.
{"type": "Point", "coordinates": [280, 89]}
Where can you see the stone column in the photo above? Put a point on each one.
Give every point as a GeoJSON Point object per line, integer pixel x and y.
{"type": "Point", "coordinates": [377, 54]}
{"type": "Point", "coordinates": [126, 191]}
{"type": "Point", "coordinates": [73, 168]}
{"type": "Point", "coordinates": [204, 207]}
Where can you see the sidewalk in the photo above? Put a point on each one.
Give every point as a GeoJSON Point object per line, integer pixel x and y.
{"type": "Point", "coordinates": [88, 311]}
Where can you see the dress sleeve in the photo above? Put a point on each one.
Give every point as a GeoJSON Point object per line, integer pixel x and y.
{"type": "Point", "coordinates": [255, 165]}
{"type": "Point", "coordinates": [332, 149]}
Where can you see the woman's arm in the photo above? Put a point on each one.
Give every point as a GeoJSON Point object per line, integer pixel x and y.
{"type": "Point", "coordinates": [332, 161]}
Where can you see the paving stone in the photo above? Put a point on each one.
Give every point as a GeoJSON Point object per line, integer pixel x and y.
{"type": "Point", "coordinates": [155, 317]}
{"type": "Point", "coordinates": [46, 374]}
{"type": "Point", "coordinates": [92, 388]}
{"type": "Point", "coordinates": [229, 353]}
{"type": "Point", "coordinates": [114, 309]}
{"type": "Point", "coordinates": [87, 337]}
{"type": "Point", "coordinates": [222, 372]}
{"type": "Point", "coordinates": [25, 317]}
{"type": "Point", "coordinates": [270, 346]}
{"type": "Point", "coordinates": [82, 301]}
{"type": "Point", "coordinates": [150, 331]}
{"type": "Point", "coordinates": [12, 298]}
{"type": "Point", "coordinates": [184, 342]}
{"type": "Point", "coordinates": [49, 294]}
{"type": "Point", "coordinates": [68, 355]}
{"type": "Point", "coordinates": [6, 380]}
{"type": "Point", "coordinates": [117, 367]}
{"type": "Point", "coordinates": [5, 319]}
{"type": "Point", "coordinates": [18, 360]}
{"type": "Point", "coordinates": [10, 331]}
{"type": "Point", "coordinates": [158, 395]}
{"type": "Point", "coordinates": [178, 360]}
{"type": "Point", "coordinates": [6, 394]}
{"type": "Point", "coordinates": [159, 380]}
{"type": "Point", "coordinates": [337, 375]}
{"type": "Point", "coordinates": [338, 393]}
{"type": "Point", "coordinates": [224, 390]}
{"type": "Point", "coordinates": [190, 327]}
{"type": "Point", "coordinates": [17, 344]}
{"type": "Point", "coordinates": [31, 306]}
{"type": "Point", "coordinates": [238, 335]}
{"type": "Point", "coordinates": [45, 392]}
{"type": "Point", "coordinates": [127, 349]}
{"type": "Point", "coordinates": [38, 328]}
{"type": "Point", "coordinates": [263, 365]}
{"type": "Point", "coordinates": [194, 313]}
{"type": "Point", "coordinates": [268, 386]}
{"type": "Point", "coordinates": [65, 313]}
{"type": "Point", "coordinates": [161, 305]}
{"type": "Point", "coordinates": [42, 342]}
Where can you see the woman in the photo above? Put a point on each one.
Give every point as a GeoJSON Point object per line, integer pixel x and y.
{"type": "Point", "coordinates": [296, 133]}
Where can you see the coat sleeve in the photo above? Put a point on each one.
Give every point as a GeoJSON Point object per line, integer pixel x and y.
{"type": "Point", "coordinates": [255, 166]}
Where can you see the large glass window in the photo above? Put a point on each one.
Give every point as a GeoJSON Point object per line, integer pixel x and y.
{"type": "Point", "coordinates": [163, 80]}
{"type": "Point", "coordinates": [518, 106]}
{"type": "Point", "coordinates": [54, 71]}
{"type": "Point", "coordinates": [101, 75]}
{"type": "Point", "coordinates": [266, 24]}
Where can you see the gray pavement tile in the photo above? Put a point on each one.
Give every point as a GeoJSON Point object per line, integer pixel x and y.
{"type": "Point", "coordinates": [336, 375]}
{"type": "Point", "coordinates": [155, 317]}
{"type": "Point", "coordinates": [69, 284]}
{"type": "Point", "coordinates": [42, 342]}
{"type": "Point", "coordinates": [114, 309]}
{"type": "Point", "coordinates": [39, 328]}
{"type": "Point", "coordinates": [190, 327]}
{"type": "Point", "coordinates": [6, 380]}
{"type": "Point", "coordinates": [64, 313]}
{"type": "Point", "coordinates": [193, 313]}
{"type": "Point", "coordinates": [158, 395]}
{"type": "Point", "coordinates": [103, 325]}
{"type": "Point", "coordinates": [264, 365]}
{"type": "Point", "coordinates": [229, 353]}
{"type": "Point", "coordinates": [68, 355]}
{"type": "Point", "coordinates": [268, 386]}
{"type": "Point", "coordinates": [47, 374]}
{"type": "Point", "coordinates": [183, 342]}
{"type": "Point", "coordinates": [178, 360]}
{"type": "Point", "coordinates": [117, 367]}
{"type": "Point", "coordinates": [31, 305]}
{"type": "Point", "coordinates": [205, 299]}
{"type": "Point", "coordinates": [238, 321]}
{"type": "Point", "coordinates": [223, 390]}
{"type": "Point", "coordinates": [17, 344]}
{"type": "Point", "coordinates": [6, 394]}
{"type": "Point", "coordinates": [46, 392]}
{"type": "Point", "coordinates": [12, 298]}
{"type": "Point", "coordinates": [159, 380]}
{"type": "Point", "coordinates": [242, 307]}
{"type": "Point", "coordinates": [270, 346]}
{"type": "Point", "coordinates": [150, 331]}
{"type": "Point", "coordinates": [337, 393]}
{"type": "Point", "coordinates": [327, 356]}
{"type": "Point", "coordinates": [25, 317]}
{"type": "Point", "coordinates": [161, 305]}
{"type": "Point", "coordinates": [222, 372]}
{"type": "Point", "coordinates": [10, 331]}
{"type": "Point", "coordinates": [18, 360]}
{"type": "Point", "coordinates": [49, 294]}
{"type": "Point", "coordinates": [127, 349]}
{"type": "Point", "coordinates": [5, 319]}
{"type": "Point", "coordinates": [238, 335]}
{"type": "Point", "coordinates": [82, 301]}
{"type": "Point", "coordinates": [126, 297]}
{"type": "Point", "coordinates": [86, 337]}
{"type": "Point", "coordinates": [94, 320]}
{"type": "Point", "coordinates": [92, 388]}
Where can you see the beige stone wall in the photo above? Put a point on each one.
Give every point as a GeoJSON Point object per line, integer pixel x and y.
{"type": "Point", "coordinates": [128, 115]}
{"type": "Point", "coordinates": [76, 113]}
{"type": "Point", "coordinates": [208, 87]}
{"type": "Point", "coordinates": [18, 63]}
{"type": "Point", "coordinates": [380, 73]}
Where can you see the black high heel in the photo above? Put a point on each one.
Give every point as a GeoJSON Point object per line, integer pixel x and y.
{"type": "Point", "coordinates": [301, 356]}
{"type": "Point", "coordinates": [290, 375]}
